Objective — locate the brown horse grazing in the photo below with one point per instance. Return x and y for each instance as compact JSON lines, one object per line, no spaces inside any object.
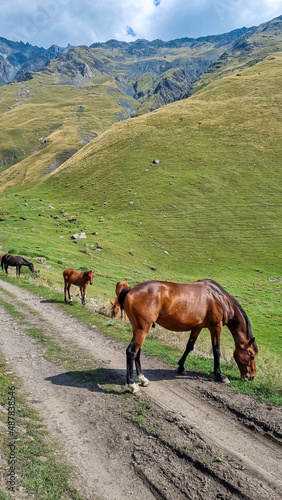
{"x":184,"y":307}
{"x":115,"y":305}
{"x":16,"y":261}
{"x":72,"y":277}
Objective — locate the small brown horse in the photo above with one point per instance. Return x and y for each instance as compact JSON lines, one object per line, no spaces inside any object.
{"x":72,"y":277}
{"x":187,"y":307}
{"x":115,"y":305}
{"x":16,"y":261}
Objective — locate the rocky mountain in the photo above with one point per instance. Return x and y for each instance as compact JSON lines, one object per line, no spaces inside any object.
{"x":17,"y":58}
{"x":249,"y":49}
{"x":154,"y":73}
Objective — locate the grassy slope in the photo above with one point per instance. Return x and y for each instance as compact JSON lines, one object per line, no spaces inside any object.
{"x":215,"y":193}
{"x":213,"y":202}
{"x":65,"y":117}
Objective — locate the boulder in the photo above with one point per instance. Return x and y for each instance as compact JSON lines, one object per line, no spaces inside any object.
{"x":78,"y":236}
{"x":40,"y":260}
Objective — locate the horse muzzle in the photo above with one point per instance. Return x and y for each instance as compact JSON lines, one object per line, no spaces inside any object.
{"x":248,"y":377}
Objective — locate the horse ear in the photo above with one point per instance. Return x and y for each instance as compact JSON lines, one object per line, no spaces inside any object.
{"x":252,"y":341}
{"x":111,"y":302}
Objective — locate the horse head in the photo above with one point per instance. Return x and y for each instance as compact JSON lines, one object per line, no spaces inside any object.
{"x":90,"y":275}
{"x":245,"y":357}
{"x":31,"y":267}
{"x":114,"y":309}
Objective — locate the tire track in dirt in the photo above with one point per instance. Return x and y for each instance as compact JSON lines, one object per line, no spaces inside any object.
{"x":79,"y":413}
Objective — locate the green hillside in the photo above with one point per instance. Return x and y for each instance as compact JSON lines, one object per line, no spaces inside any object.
{"x":52,"y":113}
{"x":212,"y":202}
{"x":44,"y":122}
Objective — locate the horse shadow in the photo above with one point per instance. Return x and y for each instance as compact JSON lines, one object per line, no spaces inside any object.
{"x":56,"y":301}
{"x":51,"y":301}
{"x":98,"y":379}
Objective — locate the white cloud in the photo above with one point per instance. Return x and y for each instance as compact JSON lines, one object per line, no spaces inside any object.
{"x":43,"y":22}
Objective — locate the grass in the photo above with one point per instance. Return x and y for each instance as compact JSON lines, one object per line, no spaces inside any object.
{"x":40,"y":463}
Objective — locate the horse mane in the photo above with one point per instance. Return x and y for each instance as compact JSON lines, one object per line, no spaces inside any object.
{"x":244,"y":314}
{"x":26,"y":261}
{"x":122,"y":296}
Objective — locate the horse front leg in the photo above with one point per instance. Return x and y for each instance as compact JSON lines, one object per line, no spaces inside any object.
{"x":18,"y":270}
{"x":82,"y":293}
{"x":68,"y":289}
{"x":215,"y":338}
{"x":133,"y":355}
{"x":142,"y":379}
{"x":189,"y":347}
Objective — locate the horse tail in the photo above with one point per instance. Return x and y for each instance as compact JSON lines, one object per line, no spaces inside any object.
{"x":122,"y":295}
{"x":243,"y":312}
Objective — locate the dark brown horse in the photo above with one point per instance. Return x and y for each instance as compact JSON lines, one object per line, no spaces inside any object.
{"x":72,"y":277}
{"x":115,"y":305}
{"x":16,"y":261}
{"x":187,"y":307}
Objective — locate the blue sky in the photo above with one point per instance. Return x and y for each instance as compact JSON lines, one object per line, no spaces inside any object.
{"x":83,"y":22}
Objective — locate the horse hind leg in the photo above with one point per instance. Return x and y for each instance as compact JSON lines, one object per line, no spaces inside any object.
{"x":133,"y":355}
{"x":189,"y":347}
{"x":130,"y":357}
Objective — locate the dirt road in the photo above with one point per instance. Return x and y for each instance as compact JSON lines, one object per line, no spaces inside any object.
{"x":197,"y":440}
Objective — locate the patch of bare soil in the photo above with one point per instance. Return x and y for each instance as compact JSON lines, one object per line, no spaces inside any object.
{"x":185,"y":437}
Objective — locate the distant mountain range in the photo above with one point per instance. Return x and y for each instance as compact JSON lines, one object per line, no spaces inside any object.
{"x":153,"y":73}
{"x":140,"y":68}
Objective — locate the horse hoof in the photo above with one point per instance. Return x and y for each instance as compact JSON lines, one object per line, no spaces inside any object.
{"x":222,"y":378}
{"x":135,"y":389}
{"x":182,"y":372}
{"x":180,"y":369}
{"x":143,"y":380}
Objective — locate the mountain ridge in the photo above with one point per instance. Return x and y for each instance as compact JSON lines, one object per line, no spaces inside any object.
{"x":17,"y":58}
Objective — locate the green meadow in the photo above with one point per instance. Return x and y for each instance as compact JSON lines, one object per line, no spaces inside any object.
{"x":211,"y":207}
